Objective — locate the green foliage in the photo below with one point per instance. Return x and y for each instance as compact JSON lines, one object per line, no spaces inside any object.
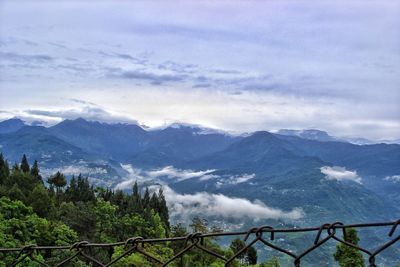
{"x":63,"y":213}
{"x":272,"y":262}
{"x":24,"y":164}
{"x":248,"y":256}
{"x":348,"y":256}
{"x":4,"y":169}
{"x":20,"y":226}
{"x":251,"y":256}
{"x":35,"y":170}
{"x":105,"y":217}
{"x":79,"y":189}
{"x":199,"y":225}
{"x":58,"y":180}
{"x":40,"y":201}
{"x":237,"y":245}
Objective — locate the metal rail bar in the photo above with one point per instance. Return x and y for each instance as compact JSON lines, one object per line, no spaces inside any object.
{"x":195,"y":240}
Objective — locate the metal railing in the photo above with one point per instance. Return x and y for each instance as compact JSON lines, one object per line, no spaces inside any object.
{"x":323,"y":233}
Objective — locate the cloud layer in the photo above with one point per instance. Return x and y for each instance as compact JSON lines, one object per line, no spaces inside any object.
{"x":170,"y":174}
{"x":340,"y":174}
{"x":393,"y":178}
{"x":186,"y":206}
{"x":221,"y":206}
{"x":180,"y":175}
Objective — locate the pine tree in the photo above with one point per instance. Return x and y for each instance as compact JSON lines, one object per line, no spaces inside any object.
{"x":71,"y":191}
{"x":4,"y":169}
{"x":251,"y":256}
{"x":35,"y":171}
{"x":146,"y":198}
{"x":154,"y":202}
{"x":163,"y":209}
{"x":24,"y":164}
{"x":15,"y":168}
{"x":348,"y":256}
{"x":120,"y":201}
{"x":58,"y":180}
{"x":236,"y":245}
{"x":135,"y":202}
{"x":84,"y":192}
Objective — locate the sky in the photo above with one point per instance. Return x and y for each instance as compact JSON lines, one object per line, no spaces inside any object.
{"x":239,"y":66}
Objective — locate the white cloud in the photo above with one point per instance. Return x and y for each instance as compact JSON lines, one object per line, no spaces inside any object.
{"x":157,"y":176}
{"x":134,"y":175}
{"x":393,"y":178}
{"x":170,"y":174}
{"x":75,"y":170}
{"x":340,"y":174}
{"x":240,"y":178}
{"x":125,"y":184}
{"x":219,"y":205}
{"x":179,"y":175}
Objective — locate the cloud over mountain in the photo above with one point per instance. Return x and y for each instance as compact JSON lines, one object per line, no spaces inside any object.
{"x":180,"y":175}
{"x":340,"y":174}
{"x":222,"y":206}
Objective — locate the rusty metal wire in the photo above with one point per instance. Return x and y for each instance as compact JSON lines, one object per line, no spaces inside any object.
{"x":193,"y":241}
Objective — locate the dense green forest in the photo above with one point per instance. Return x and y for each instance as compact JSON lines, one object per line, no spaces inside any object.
{"x":61,"y":212}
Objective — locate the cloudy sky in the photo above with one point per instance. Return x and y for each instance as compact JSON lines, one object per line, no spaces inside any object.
{"x":236,"y":65}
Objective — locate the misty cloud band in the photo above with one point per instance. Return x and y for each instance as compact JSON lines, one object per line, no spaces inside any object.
{"x":222,"y":206}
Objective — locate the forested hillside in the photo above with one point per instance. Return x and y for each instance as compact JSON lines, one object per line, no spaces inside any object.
{"x":55,"y":212}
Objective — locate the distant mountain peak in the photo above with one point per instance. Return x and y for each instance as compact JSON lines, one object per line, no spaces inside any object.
{"x":11,"y":125}
{"x":310,"y":134}
{"x":195,"y":128}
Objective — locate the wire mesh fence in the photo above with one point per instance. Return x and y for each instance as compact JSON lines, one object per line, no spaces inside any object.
{"x":264,"y":235}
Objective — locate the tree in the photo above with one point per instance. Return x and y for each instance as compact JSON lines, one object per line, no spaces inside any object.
{"x":72,"y":189}
{"x":348,"y":256}
{"x":162,"y":208}
{"x":79,"y":216}
{"x":35,"y":171}
{"x":199,"y":225}
{"x":16,"y":194}
{"x":106,"y":216}
{"x":251,"y":256}
{"x":237,"y":245}
{"x":4,"y":169}
{"x":146,"y":198}
{"x":24,"y":164}
{"x":84,"y":191}
{"x":272,"y":262}
{"x":134,"y":201}
{"x":40,"y":201}
{"x":58,"y":180}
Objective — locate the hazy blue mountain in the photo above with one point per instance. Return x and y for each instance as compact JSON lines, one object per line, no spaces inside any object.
{"x":174,"y":145}
{"x":310,"y":134}
{"x":39,"y":144}
{"x":360,"y":141}
{"x":53,"y":154}
{"x":259,"y":153}
{"x":286,"y":175}
{"x":322,"y":136}
{"x":118,"y":141}
{"x":11,"y":125}
{"x":377,"y":159}
{"x":130,"y":142}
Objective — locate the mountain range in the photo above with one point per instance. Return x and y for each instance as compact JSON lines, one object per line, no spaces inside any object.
{"x":327,"y":177}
